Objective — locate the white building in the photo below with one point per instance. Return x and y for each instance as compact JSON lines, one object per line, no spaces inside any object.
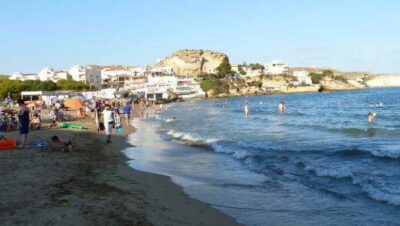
{"x":49,"y":74}
{"x":276,"y":68}
{"x":23,"y":77}
{"x":89,"y":76}
{"x":160,"y":71}
{"x":250,"y":72}
{"x":302,"y":77}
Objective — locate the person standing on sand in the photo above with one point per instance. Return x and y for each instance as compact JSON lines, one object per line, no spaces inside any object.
{"x":142,"y":108}
{"x":127,"y":111}
{"x":23,"y":118}
{"x":108,"y":121}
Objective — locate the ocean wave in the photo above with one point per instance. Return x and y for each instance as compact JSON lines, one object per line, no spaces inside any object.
{"x":386,"y":153}
{"x":369,"y":132}
{"x":379,"y":153}
{"x":323,"y":171}
{"x":192,"y":138}
{"x":169,"y":120}
{"x":380,"y":195}
{"x":239,"y":154}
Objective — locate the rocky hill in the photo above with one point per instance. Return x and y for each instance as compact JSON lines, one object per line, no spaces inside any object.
{"x":193,"y":62}
{"x":385,"y":80}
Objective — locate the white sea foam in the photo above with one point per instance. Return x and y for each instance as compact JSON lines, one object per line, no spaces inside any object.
{"x":380,"y":195}
{"x":169,"y":120}
{"x":323,"y":171}
{"x":237,"y":154}
{"x":241,"y":154}
{"x":191,"y":137}
{"x":394,"y":154}
{"x":219,"y":148}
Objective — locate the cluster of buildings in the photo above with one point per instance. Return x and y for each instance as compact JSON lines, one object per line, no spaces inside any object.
{"x":273,"y":68}
{"x":152,"y":82}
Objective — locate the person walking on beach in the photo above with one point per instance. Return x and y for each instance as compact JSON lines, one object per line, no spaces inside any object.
{"x":127,"y":110}
{"x":108,"y":114}
{"x":23,"y":118}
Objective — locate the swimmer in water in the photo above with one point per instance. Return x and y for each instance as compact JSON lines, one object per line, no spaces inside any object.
{"x":282,"y":107}
{"x":246,"y":109}
{"x":371,"y":117}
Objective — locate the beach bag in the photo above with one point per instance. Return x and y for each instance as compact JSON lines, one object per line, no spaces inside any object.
{"x":119,"y":130}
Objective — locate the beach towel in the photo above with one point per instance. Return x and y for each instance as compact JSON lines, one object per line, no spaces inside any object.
{"x":39,"y":144}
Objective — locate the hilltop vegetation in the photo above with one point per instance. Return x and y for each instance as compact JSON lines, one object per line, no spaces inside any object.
{"x":15,"y":87}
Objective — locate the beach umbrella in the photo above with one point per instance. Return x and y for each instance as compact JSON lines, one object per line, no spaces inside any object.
{"x":74,"y":103}
{"x":78,"y":98}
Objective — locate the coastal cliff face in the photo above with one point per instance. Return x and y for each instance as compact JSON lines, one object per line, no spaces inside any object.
{"x":383,"y":81}
{"x":337,"y":85}
{"x":193,"y":62}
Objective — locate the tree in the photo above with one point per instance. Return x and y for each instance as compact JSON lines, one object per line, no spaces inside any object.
{"x":218,"y":86}
{"x":316,"y":78}
{"x":328,"y":73}
{"x":70,"y":84}
{"x":241,"y":71}
{"x":224,"y":68}
{"x":256,"y":66}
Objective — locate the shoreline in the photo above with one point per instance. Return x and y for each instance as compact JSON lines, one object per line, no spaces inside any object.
{"x":289,"y":93}
{"x":91,"y":186}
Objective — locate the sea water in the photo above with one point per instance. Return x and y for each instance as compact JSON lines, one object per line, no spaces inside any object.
{"x":319,"y":163}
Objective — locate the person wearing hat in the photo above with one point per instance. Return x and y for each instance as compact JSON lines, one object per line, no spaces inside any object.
{"x":109,"y":121}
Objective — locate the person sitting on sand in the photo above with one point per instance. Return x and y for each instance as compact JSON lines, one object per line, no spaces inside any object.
{"x":35,"y":122}
{"x":53,"y":117}
{"x":371,"y":117}
{"x":66,"y":144}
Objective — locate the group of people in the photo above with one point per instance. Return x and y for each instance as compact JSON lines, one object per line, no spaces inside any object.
{"x":281,"y":107}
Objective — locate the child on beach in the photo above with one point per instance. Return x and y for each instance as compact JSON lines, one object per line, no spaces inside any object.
{"x":67,"y":145}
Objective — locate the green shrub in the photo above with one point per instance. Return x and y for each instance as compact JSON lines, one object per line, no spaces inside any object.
{"x":341,"y":78}
{"x":316,"y":78}
{"x":15,"y":87}
{"x":256,"y":84}
{"x":217,"y":86}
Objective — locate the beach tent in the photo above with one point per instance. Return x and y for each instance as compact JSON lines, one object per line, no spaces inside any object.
{"x":74,"y":103}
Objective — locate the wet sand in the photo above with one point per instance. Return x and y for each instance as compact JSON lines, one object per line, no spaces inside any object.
{"x":91,"y":186}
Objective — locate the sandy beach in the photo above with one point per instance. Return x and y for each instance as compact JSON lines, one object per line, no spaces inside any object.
{"x":91,"y":186}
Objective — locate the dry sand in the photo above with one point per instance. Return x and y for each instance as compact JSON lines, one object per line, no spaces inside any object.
{"x":91,"y":186}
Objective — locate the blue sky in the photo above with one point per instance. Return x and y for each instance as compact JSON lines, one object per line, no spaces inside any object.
{"x":343,"y":34}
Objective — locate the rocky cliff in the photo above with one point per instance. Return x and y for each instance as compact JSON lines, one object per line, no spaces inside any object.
{"x":383,"y":81}
{"x":193,"y":62}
